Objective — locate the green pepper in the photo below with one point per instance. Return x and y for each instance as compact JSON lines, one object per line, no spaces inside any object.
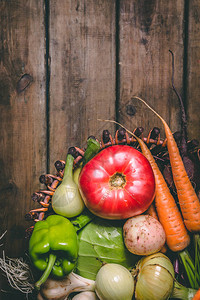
{"x":53,"y":247}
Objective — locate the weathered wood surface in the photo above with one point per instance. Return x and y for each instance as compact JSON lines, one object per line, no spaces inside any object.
{"x":148,"y":30}
{"x":22,"y":118}
{"x":100,"y":54}
{"x":193,"y":69}
{"x":82,"y":66}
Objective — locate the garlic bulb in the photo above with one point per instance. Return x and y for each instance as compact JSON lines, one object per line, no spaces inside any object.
{"x":85,"y":296}
{"x":60,"y":289}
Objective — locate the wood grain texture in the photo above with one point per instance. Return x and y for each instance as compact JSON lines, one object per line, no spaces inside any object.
{"x":148,"y":30}
{"x":23,"y":116}
{"x":193,"y":70}
{"x":82,"y":81}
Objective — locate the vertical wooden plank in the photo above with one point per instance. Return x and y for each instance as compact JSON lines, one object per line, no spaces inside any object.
{"x":23,"y":120}
{"x":82,"y":82}
{"x":148,"y":30}
{"x":193,"y":70}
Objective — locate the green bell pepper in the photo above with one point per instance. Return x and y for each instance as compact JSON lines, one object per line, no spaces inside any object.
{"x":53,"y":247}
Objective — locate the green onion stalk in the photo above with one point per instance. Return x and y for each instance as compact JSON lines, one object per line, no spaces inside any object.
{"x":197,"y":260}
{"x":192,"y":265}
{"x":181,"y":292}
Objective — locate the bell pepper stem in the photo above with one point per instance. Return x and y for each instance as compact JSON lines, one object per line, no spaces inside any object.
{"x":45,"y":275}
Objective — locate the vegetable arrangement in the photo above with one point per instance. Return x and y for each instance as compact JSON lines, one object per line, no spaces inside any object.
{"x":112,"y":214}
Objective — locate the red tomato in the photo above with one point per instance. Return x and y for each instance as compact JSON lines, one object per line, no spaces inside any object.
{"x":118,"y":183}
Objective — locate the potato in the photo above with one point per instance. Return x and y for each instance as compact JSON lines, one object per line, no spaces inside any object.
{"x":143,"y":235}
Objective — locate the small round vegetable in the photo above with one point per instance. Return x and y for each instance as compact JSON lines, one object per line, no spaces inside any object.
{"x":114,"y":282}
{"x":143,"y":235}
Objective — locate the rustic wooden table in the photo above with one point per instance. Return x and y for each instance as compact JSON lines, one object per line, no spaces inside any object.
{"x":66,"y":63}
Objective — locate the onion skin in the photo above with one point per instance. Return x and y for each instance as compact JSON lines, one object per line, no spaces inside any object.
{"x":154,"y":278}
{"x":114,"y":282}
{"x":143,"y":235}
{"x":66,"y":200}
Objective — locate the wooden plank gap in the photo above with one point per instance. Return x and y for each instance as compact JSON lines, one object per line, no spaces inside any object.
{"x":47,"y":11}
{"x":193,"y":71}
{"x":185,"y":54}
{"x":117,"y":45}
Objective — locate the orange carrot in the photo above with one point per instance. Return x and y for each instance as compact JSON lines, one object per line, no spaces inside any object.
{"x":152,"y":212}
{"x":188,"y":200}
{"x":177,"y":237}
{"x":168,"y":213}
{"x":197,"y":295}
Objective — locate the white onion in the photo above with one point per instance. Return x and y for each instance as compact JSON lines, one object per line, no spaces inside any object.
{"x":114,"y":282}
{"x":143,"y":235}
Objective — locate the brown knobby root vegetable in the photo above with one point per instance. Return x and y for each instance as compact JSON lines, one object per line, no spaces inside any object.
{"x":143,"y":235}
{"x":60,"y":289}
